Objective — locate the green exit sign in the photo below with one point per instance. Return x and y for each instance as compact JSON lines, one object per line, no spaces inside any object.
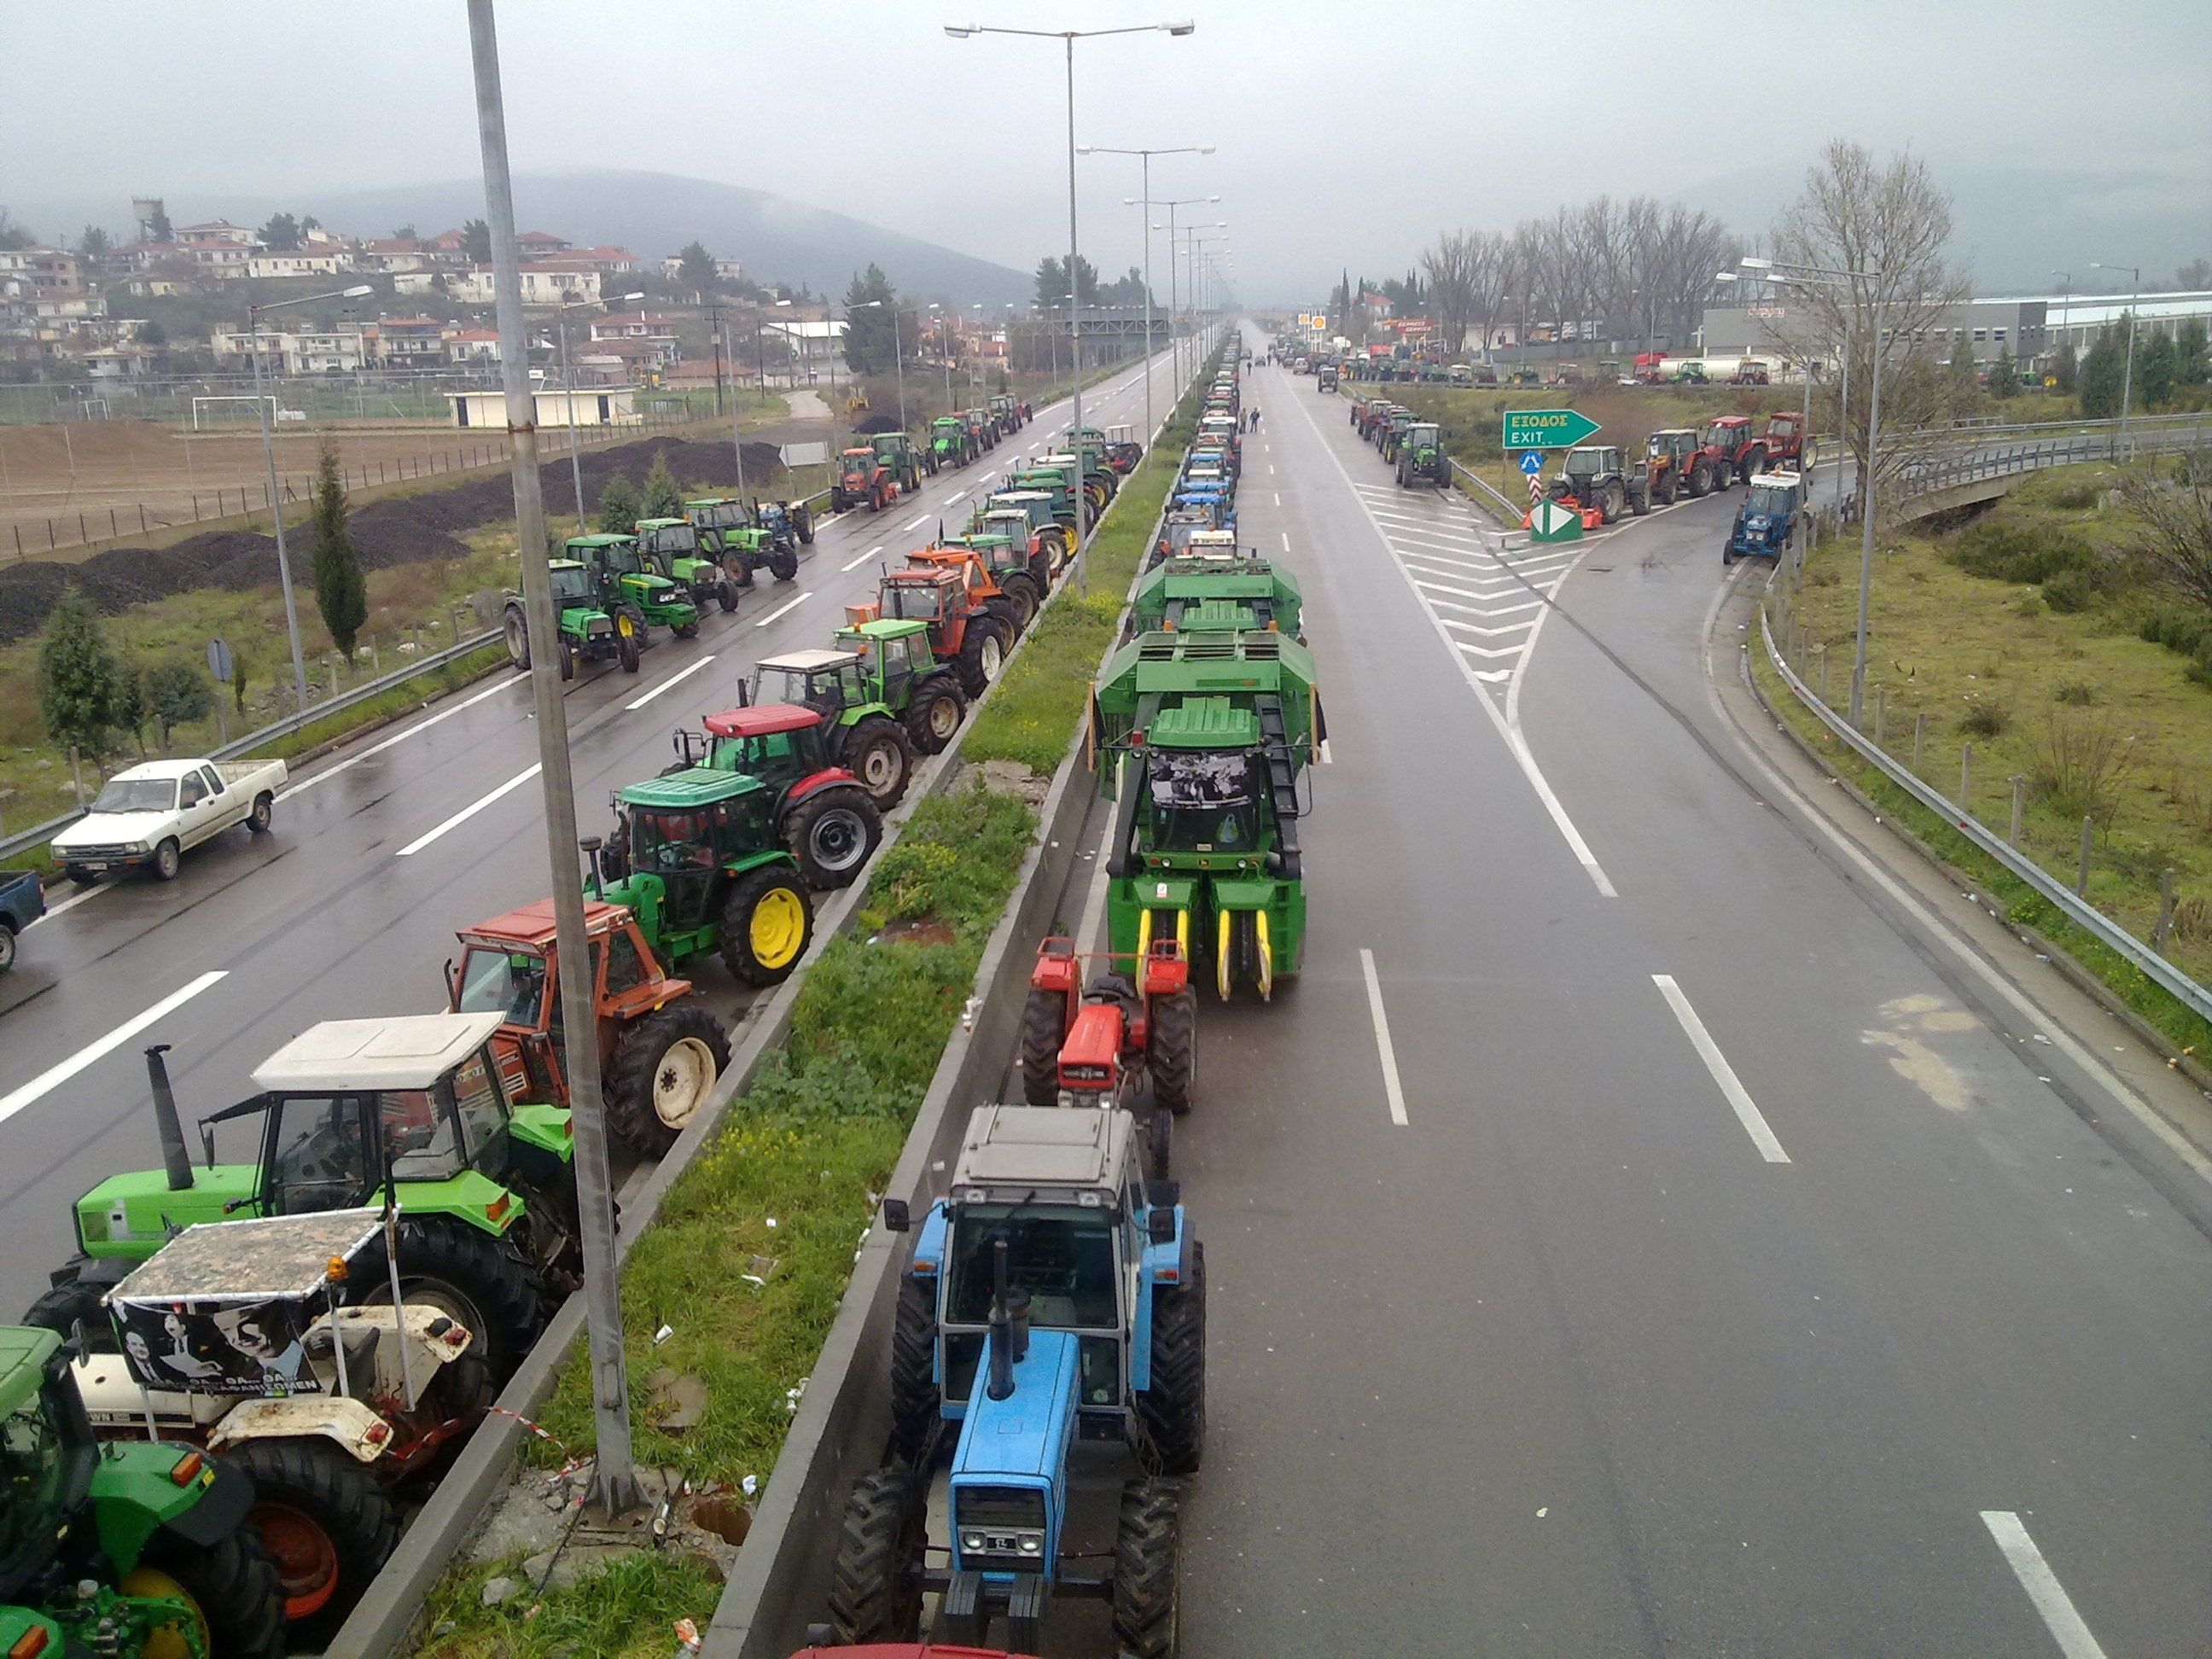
{"x":1546,"y":429}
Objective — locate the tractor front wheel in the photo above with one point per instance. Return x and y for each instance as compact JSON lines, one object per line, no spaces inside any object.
{"x":1173,"y":1410}
{"x":833,"y":835}
{"x":914,"y":1360}
{"x":1701,"y":480}
{"x":568,"y":657}
{"x":1146,"y":1545}
{"x":1174,"y":1057}
{"x":767,"y":925}
{"x":1610,"y":502}
{"x":875,"y":1582}
{"x":516,"y":627}
{"x":934,"y":714}
{"x":1044,"y":1028}
{"x":627,"y":648}
{"x":876,"y":753}
{"x":663,"y":1072}
{"x":783,"y":564}
{"x":726,"y":594}
{"x":324,"y":1521}
{"x":232,"y":1584}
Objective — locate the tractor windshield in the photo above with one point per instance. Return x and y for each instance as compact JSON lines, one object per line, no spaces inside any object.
{"x":1202,"y":802}
{"x":891,"y":445}
{"x":723,"y":515}
{"x":572,"y":585}
{"x":913,"y":601}
{"x":817,"y":690}
{"x":1770,"y":498}
{"x":680,"y":540}
{"x":1064,"y":1258}
{"x":620,"y":557}
{"x":1424,"y":436}
{"x":1583,"y":462}
{"x":664,"y":842}
{"x":30,"y":1473}
{"x":505,"y":981}
{"x":1717,"y":435}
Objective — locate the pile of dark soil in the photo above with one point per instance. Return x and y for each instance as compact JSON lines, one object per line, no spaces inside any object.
{"x":405,"y":531}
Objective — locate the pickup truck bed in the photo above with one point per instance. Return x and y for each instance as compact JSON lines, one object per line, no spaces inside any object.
{"x":148,"y":816}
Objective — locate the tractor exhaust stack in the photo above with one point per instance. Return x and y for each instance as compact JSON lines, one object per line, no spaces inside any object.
{"x":176,"y":1158}
{"x":1010,"y":1325}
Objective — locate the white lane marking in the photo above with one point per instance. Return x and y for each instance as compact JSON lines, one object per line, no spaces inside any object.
{"x":1286,"y":540}
{"x":954,"y":496}
{"x":72,"y":902}
{"x":2067,"y":1626}
{"x":415,"y":730}
{"x":1391,"y":1091}
{"x":914,"y":523}
{"x":1476,"y":680}
{"x":1754,"y":1124}
{"x":1279,"y":500}
{"x":1094,"y":902}
{"x":1271,"y":469}
{"x":788,"y":605}
{"x":466,"y":813}
{"x":55,"y":1075}
{"x":672,"y":679}
{"x":863,"y":559}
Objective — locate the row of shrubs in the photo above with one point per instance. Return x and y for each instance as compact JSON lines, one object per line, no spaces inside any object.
{"x":2075,"y":574}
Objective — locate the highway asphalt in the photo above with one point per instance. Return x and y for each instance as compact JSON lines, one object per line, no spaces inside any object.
{"x":1746,"y":1276}
{"x":378,"y":853}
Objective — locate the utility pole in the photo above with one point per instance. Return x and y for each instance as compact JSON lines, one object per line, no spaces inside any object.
{"x":614,"y":1476}
{"x":715,"y":334}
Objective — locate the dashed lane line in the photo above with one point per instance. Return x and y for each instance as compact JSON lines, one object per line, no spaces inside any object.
{"x":468,"y":812}
{"x":54,"y":1076}
{"x":673,"y":679}
{"x":788,"y":605}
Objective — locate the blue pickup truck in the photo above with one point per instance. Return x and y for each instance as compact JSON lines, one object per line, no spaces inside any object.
{"x":22,"y":902}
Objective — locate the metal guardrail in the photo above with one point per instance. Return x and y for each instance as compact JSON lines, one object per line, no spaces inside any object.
{"x":1925,"y":477}
{"x":367,"y":689}
{"x":2076,"y":909}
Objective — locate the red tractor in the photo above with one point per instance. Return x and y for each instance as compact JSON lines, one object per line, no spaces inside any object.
{"x":862,"y":477}
{"x":1786,"y":441}
{"x":1098,"y":1046}
{"x":1729,"y":444}
{"x":660,"y":1049}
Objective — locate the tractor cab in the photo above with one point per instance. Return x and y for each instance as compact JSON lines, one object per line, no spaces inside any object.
{"x":1673,"y":445}
{"x":1015,"y":525}
{"x":891,"y":652}
{"x":781,"y":744}
{"x":1776,"y":493}
{"x":827,"y":682}
{"x":661,"y":541}
{"x":921,"y":593}
{"x":573,"y":587}
{"x":1201,"y":766}
{"x":859,"y":464}
{"x":715,"y":515}
{"x":1424,"y":434}
{"x":688,"y":830}
{"x":1586,"y":461}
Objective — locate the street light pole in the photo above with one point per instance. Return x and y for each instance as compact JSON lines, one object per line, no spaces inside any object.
{"x":1146,"y":156}
{"x":276,"y":498}
{"x":2128,"y":375}
{"x":614,"y":1476}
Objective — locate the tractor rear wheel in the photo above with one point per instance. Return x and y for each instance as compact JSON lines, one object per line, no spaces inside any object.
{"x":1022,"y":593}
{"x":1146,"y":1545}
{"x":933,"y":711}
{"x":663,"y":1070}
{"x":1174,"y":1057}
{"x":1639,"y":502}
{"x":324,"y":1522}
{"x":231,"y":1584}
{"x":875,"y":1582}
{"x":914,"y":1360}
{"x":833,"y":834}
{"x":767,"y":924}
{"x":982,"y":653}
{"x":1010,"y":618}
{"x":465,"y":1274}
{"x":1173,"y":1410}
{"x":63,"y":1307}
{"x":1044,"y":1028}
{"x":876,"y":753}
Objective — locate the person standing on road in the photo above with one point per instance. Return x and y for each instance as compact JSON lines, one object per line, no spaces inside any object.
{"x":1255,"y":418}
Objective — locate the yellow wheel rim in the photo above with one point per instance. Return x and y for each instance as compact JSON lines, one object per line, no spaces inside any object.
{"x":168,"y":1642}
{"x":778,"y":927}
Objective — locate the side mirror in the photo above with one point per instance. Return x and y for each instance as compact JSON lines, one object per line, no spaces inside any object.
{"x":897,"y":1218}
{"x":1160,"y":1222}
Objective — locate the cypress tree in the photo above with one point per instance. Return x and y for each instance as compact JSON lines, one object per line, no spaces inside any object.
{"x":81,"y":695}
{"x":341,"y":591}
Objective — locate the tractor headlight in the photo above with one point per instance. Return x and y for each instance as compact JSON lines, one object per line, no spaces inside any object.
{"x":1030,"y":1543}
{"x":973,"y":1542}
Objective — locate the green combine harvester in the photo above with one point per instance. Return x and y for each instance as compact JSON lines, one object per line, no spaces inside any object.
{"x":1212,"y":585}
{"x":1200,"y":739}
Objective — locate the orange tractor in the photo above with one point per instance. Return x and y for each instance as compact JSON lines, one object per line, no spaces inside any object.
{"x":660,"y":1050}
{"x":972,"y":625}
{"x":863,"y":479}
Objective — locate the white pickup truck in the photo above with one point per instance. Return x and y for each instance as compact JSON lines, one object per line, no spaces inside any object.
{"x":146,"y":816}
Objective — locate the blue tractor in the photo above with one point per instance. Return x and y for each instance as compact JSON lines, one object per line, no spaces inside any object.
{"x":1055,"y":1297}
{"x":1767,"y":519}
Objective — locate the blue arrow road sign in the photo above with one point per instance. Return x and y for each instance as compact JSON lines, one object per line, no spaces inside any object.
{"x":1532,"y":461}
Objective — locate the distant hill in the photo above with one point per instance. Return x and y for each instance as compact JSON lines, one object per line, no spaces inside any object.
{"x":651,"y":214}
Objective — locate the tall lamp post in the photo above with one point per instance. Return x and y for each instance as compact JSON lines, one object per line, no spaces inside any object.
{"x":269,"y":455}
{"x":575,"y":465}
{"x":2065,"y":309}
{"x":2128,"y":376}
{"x":1798,"y":275}
{"x":1146,"y":173}
{"x":1068,"y":37}
{"x":1174,"y":334}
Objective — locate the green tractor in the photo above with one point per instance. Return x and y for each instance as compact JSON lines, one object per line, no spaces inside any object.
{"x":1026,"y":514}
{"x":127,"y":1549}
{"x":950,"y":443}
{"x":653,"y":600}
{"x":1421,"y":456}
{"x":588,"y":630}
{"x":728,"y":532}
{"x":882,"y":697}
{"x":899,"y":457}
{"x":671,"y":548}
{"x":1201,"y":739}
{"x":486,"y":1187}
{"x":1210,"y":585}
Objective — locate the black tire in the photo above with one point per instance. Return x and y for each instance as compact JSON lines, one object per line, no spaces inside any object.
{"x":80,"y":876}
{"x":1610,"y":502}
{"x":168,"y":859}
{"x":1173,"y":1410}
{"x":325,"y":1523}
{"x":1640,"y":503}
{"x":1009,"y":616}
{"x":803,"y":522}
{"x":516,"y":626}
{"x":738,"y":573}
{"x":982,"y":654}
{"x":726,"y":595}
{"x":767,"y":956}
{"x":234,"y":1584}
{"x":1159,"y":1144}
{"x":833,"y":834}
{"x":934,"y":712}
{"x":568,"y":657}
{"x":783,"y":562}
{"x":1146,"y":1545}
{"x":1024,"y":595}
{"x":914,"y":1360}
{"x":664,"y":1072}
{"x":685,"y":630}
{"x":877,"y":752}
{"x":257,"y":821}
{"x":1174,"y":1058}
{"x":1668,"y":490}
{"x":468,"y":1274}
{"x":1728,"y":556}
{"x":628,"y":649}
{"x":62,"y":1308}
{"x":1701,"y":479}
{"x":7,"y":947}
{"x":1044,"y":1028}
{"x":875,"y":1582}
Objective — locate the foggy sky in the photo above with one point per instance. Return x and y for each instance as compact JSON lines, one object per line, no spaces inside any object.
{"x":1346,"y":133}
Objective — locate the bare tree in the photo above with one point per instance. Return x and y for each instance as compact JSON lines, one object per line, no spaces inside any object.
{"x":2174,"y":549}
{"x":1886,"y":230}
{"x":1453,"y":284}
